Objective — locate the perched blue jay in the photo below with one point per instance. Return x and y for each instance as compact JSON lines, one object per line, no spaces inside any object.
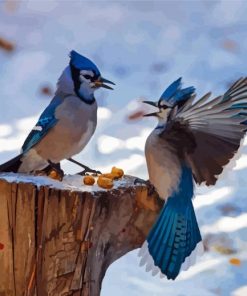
{"x":67,"y":124}
{"x":193,"y":141}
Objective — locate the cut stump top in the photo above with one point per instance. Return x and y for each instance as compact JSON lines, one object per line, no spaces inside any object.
{"x":58,"y":238}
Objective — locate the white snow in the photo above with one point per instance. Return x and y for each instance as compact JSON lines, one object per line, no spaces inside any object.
{"x":69,"y":182}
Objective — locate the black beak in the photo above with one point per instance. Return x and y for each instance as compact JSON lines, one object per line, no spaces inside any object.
{"x":101,"y":82}
{"x":151,"y":114}
{"x":155,"y":104}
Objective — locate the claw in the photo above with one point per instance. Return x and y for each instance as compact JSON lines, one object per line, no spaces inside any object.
{"x":88,"y":170}
{"x":140,"y":181}
{"x":150,"y":186}
{"x":59,"y":173}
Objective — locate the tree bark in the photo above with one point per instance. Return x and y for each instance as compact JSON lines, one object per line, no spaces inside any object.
{"x":61,"y":242}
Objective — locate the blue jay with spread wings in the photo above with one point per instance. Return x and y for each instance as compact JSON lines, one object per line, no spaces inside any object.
{"x":67,"y":124}
{"x":192,"y":143}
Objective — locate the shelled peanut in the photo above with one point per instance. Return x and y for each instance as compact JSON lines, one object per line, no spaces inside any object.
{"x":118,"y":173}
{"x":88,"y":180}
{"x":55,"y":175}
{"x":105,"y":180}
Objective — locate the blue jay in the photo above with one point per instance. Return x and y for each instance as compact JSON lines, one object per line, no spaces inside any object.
{"x":67,"y":124}
{"x":192,"y":142}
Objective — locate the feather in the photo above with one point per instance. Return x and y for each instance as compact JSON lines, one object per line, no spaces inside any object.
{"x":12,"y":165}
{"x":172,"y":89}
{"x":155,"y":271}
{"x":172,"y":238}
{"x":144,"y":259}
{"x":143,"y":249}
{"x":201,"y":101}
{"x":187,"y":105}
{"x":46,"y":121}
{"x":223,"y":119}
{"x":175,"y":95}
{"x":81,"y":62}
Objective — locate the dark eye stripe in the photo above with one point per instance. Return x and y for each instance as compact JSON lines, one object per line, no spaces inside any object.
{"x":87,"y":76}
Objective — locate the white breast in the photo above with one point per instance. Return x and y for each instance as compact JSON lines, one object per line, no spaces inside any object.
{"x":79,"y":120}
{"x":163,"y":166}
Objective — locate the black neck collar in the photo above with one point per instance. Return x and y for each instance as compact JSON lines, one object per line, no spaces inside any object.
{"x":87,"y":101}
{"x":75,"y":73}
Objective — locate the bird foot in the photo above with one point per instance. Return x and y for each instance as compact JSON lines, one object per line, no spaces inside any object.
{"x":150,"y":186}
{"x":88,"y":171}
{"x":40,"y":172}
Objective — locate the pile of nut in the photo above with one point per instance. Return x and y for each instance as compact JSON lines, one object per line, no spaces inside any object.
{"x":105,"y":180}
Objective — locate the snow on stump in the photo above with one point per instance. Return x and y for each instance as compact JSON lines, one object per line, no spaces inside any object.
{"x":59,"y":238}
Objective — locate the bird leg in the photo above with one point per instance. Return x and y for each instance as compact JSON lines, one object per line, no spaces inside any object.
{"x":86,"y":168}
{"x":150,"y":186}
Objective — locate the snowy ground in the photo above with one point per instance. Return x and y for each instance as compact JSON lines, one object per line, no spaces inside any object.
{"x":141,"y":46}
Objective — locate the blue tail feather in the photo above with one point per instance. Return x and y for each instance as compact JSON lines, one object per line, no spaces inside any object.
{"x":176,"y":233}
{"x":163,"y":229}
{"x":168,"y":246}
{"x":179,"y":236}
{"x":166,"y":242}
{"x":157,"y":234}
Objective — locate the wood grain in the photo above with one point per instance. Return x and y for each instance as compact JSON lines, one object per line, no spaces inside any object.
{"x":57,"y":242}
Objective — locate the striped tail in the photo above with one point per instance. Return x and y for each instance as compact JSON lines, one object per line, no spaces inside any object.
{"x":175,"y":239}
{"x":12,"y":165}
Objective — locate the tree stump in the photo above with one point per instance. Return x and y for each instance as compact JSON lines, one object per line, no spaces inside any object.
{"x":59,"y":240}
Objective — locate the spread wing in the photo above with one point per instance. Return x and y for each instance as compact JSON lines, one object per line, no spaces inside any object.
{"x":210,"y":131}
{"x":46,"y":121}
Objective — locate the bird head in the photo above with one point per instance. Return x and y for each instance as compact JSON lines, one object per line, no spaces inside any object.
{"x":164,"y":109}
{"x":173,"y":97}
{"x":82,"y":77}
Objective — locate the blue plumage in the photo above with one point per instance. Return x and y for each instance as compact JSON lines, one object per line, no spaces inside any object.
{"x":200,"y":137}
{"x":81,"y":62}
{"x":75,"y":122}
{"x":46,"y":121}
{"x":175,"y":233}
{"x":171,"y":89}
{"x":174,"y":94}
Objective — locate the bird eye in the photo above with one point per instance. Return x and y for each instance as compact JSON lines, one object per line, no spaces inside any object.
{"x":87,"y":76}
{"x":162,"y":104}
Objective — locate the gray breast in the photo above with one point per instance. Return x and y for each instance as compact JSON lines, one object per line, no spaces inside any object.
{"x":163,"y":165}
{"x":76,"y":124}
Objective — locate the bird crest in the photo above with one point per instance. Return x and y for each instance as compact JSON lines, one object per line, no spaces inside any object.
{"x":82,"y":63}
{"x":174,"y":94}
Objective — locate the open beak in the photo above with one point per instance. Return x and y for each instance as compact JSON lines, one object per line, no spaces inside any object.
{"x":154,"y":104}
{"x":101,"y":82}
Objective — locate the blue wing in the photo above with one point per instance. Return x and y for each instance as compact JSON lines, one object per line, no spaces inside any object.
{"x":46,"y":121}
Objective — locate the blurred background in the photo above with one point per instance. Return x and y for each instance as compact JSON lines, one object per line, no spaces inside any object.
{"x":142,"y":46}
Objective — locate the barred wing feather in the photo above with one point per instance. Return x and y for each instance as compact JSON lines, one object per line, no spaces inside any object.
{"x":217,"y":126}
